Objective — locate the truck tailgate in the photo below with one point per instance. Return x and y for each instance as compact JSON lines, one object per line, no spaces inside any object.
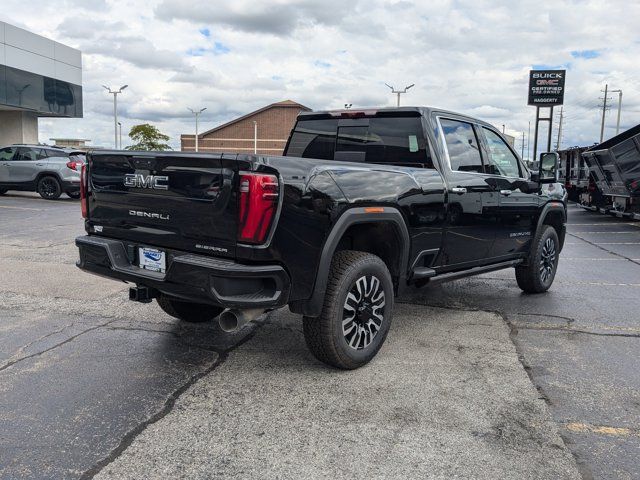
{"x":173,"y":200}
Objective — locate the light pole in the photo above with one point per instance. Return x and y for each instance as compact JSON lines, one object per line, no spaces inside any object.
{"x":619,"y":92}
{"x":115,"y":111}
{"x":120,"y":134}
{"x":255,"y":137}
{"x":398,"y":92}
{"x":347,"y":106}
{"x":197,"y":114}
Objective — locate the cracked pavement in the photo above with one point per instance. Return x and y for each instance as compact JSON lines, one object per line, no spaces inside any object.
{"x":94,"y":385}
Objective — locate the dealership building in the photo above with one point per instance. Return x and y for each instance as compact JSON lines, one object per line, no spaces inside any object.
{"x":38,"y":78}
{"x":267,"y":127}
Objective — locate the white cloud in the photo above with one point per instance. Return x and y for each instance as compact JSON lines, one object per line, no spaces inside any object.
{"x":471,"y":56}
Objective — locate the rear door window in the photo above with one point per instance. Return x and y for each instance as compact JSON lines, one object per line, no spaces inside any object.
{"x":27,"y":154}
{"x":462,"y":146}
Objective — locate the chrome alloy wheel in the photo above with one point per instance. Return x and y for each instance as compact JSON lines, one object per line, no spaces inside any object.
{"x":547,"y":260}
{"x":363,"y":312}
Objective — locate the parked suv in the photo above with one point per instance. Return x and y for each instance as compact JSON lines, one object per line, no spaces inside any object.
{"x":362,"y":205}
{"x":50,"y":171}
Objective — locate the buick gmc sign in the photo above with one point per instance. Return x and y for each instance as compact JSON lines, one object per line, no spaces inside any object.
{"x":546,"y":87}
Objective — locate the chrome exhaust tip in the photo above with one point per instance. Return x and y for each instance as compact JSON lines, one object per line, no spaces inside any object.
{"x":232,"y":320}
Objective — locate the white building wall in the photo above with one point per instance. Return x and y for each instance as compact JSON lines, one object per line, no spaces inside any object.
{"x":36,"y":54}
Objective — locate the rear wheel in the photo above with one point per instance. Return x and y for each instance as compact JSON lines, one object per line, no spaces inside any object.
{"x":356,"y":314}
{"x":540,"y":271}
{"x":187,"y":311}
{"x":49,"y":188}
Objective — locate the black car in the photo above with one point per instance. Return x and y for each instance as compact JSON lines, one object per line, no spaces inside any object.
{"x":361,"y":205}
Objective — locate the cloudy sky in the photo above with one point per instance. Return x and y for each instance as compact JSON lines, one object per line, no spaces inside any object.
{"x":235,"y":56}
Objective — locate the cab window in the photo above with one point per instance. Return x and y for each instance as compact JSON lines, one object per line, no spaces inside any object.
{"x":501,"y":160}
{"x":462,"y":146}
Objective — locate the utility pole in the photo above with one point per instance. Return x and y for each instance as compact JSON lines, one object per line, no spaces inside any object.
{"x":197,"y":114}
{"x":115,"y":111}
{"x":559,"y":130}
{"x":529,"y":142}
{"x":120,"y":134}
{"x":522,"y":154}
{"x":604,"y":110}
{"x":398,"y":92}
{"x":619,"y":92}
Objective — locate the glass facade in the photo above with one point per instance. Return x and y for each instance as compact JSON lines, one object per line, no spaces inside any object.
{"x":44,"y":95}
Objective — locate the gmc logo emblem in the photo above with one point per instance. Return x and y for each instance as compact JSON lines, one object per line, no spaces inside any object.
{"x":140,"y":180}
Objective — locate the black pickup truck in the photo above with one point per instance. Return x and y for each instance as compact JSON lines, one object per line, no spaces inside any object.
{"x":362,"y":205}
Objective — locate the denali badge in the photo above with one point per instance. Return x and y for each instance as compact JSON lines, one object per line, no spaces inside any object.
{"x":138,"y":213}
{"x":140,"y":180}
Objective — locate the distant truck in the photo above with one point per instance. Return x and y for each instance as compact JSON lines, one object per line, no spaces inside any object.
{"x":614,"y":168}
{"x":362,"y":205}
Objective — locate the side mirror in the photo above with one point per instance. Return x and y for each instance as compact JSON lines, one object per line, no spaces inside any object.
{"x":548,"y":168}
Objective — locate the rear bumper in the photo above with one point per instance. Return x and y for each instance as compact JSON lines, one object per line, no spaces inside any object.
{"x":70,"y":184}
{"x":196,"y":278}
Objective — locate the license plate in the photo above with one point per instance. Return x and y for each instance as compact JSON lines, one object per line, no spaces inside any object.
{"x":152,"y":259}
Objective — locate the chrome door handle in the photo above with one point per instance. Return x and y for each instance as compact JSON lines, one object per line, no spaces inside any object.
{"x":459,"y":190}
{"x":39,"y":164}
{"x":506,"y":193}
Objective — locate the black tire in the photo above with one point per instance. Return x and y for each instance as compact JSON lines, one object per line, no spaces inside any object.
{"x":49,"y":188}
{"x":325,"y":335}
{"x":3,"y":191}
{"x":74,"y":195}
{"x":187,"y":311}
{"x":538,"y":274}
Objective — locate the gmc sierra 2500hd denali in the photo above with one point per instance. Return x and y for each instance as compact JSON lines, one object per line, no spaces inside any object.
{"x":361,"y":205}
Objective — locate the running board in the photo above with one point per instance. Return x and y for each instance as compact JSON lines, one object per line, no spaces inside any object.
{"x":445,"y":277}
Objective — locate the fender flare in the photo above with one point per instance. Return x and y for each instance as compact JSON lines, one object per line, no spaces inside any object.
{"x":554,"y":206}
{"x":353,"y":216}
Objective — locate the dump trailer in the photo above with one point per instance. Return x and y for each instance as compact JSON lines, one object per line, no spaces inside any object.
{"x":574,"y":171}
{"x":614,"y":168}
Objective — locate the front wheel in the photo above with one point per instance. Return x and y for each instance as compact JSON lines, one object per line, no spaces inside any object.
{"x":356,"y":314}
{"x":49,"y":188}
{"x":539,"y":272}
{"x":187,"y":311}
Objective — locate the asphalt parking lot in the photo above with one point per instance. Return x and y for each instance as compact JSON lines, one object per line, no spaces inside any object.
{"x":476,"y":380}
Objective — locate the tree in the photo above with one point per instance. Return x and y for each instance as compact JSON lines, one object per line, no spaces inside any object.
{"x":147,"y":137}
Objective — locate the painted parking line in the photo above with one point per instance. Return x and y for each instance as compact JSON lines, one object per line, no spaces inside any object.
{"x":22,"y":208}
{"x":578,"y":427}
{"x":616,"y":243}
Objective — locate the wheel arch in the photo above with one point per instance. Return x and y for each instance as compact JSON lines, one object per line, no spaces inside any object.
{"x":354,"y":230}
{"x":554,"y":214}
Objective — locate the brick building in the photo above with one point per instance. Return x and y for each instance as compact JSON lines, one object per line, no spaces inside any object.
{"x":274,"y":123}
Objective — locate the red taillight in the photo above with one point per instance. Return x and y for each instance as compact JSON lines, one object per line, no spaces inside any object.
{"x":258,"y":205}
{"x":72,"y":165}
{"x":84,"y":191}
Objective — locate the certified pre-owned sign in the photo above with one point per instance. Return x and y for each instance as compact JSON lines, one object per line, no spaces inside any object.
{"x":546,"y":87}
